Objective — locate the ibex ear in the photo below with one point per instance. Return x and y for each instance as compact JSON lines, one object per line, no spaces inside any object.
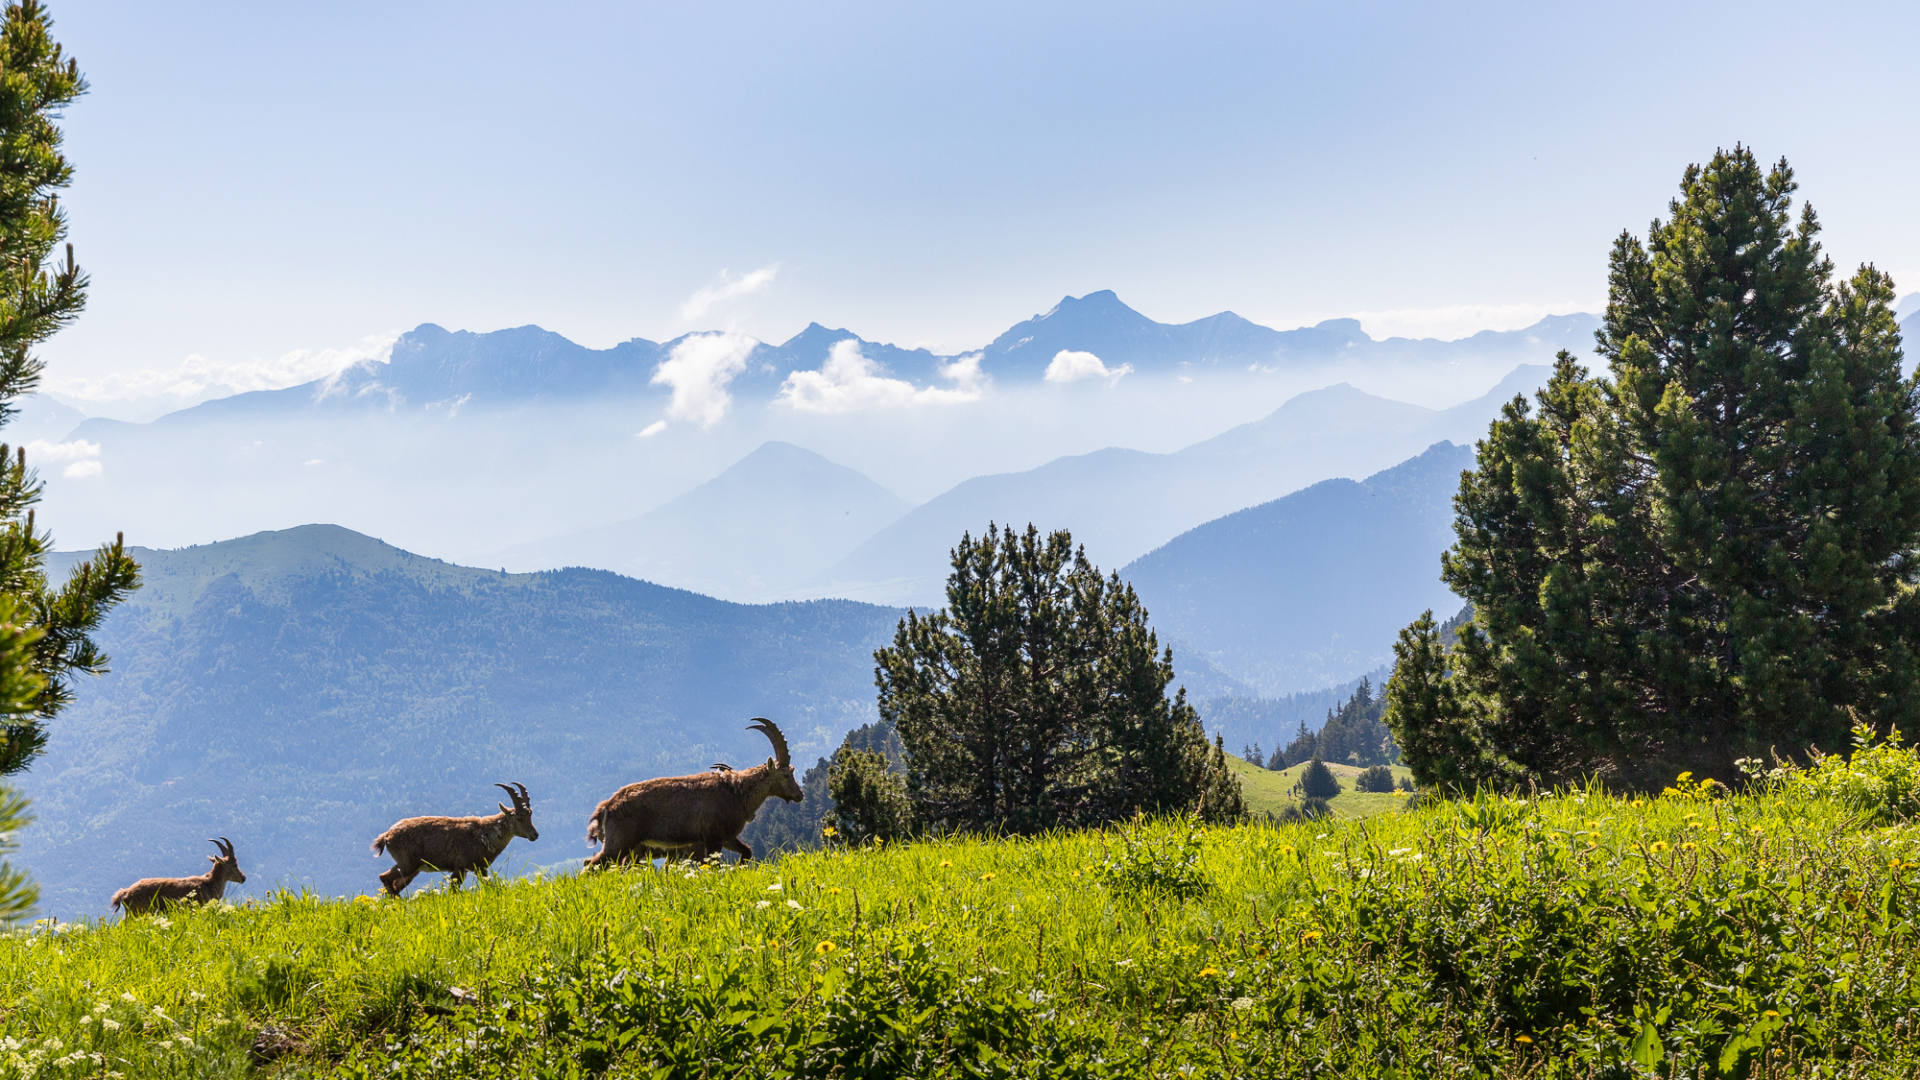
{"x":214,"y":859}
{"x":503,"y":808}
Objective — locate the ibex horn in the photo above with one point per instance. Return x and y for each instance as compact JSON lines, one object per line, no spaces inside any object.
{"x":772,"y":731}
{"x":524,"y":798}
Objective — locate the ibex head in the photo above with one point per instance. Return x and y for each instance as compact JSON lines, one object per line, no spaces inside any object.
{"x":225,"y":866}
{"x":520,"y":814}
{"x":784,"y":785}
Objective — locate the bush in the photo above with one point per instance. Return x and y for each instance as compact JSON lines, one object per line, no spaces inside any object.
{"x":1152,"y":867}
{"x":1880,"y":781}
{"x":1377,"y":778}
{"x":1318,"y":782}
{"x":869,"y":799}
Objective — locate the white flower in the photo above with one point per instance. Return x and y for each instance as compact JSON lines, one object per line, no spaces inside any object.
{"x":775,"y":887}
{"x":1125,"y":962}
{"x":763,"y":903}
{"x":109,"y":1024}
{"x":1242,"y":1004}
{"x":795,"y":905}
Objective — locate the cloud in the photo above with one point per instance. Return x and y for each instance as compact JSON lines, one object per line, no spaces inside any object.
{"x":728,"y":288}
{"x":1072,"y":365}
{"x":198,"y":378}
{"x":699,"y":369}
{"x":81,"y":457}
{"x":651,"y":430}
{"x":849,"y":382}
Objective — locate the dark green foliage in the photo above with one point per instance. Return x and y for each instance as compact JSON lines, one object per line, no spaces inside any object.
{"x":1708,"y":553}
{"x":869,"y":798}
{"x":1242,"y":717}
{"x":45,"y":630}
{"x":1318,"y":782}
{"x":1374,"y":778}
{"x":1353,"y":733}
{"x":1037,"y":699}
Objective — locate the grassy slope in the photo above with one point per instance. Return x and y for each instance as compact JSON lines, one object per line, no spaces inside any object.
{"x":1270,"y":791}
{"x":1560,"y":937}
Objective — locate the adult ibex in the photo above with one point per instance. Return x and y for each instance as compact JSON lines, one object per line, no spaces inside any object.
{"x":149,"y":893}
{"x":698,"y":814}
{"x":454,"y":845}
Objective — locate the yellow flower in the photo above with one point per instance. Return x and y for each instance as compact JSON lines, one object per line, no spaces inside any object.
{"x":1310,"y":936}
{"x":1658,"y":846}
{"x":1770,"y":1014}
{"x":825,"y":947}
{"x":829,"y":832}
{"x":1207,"y":972}
{"x":1689,"y":846}
{"x":835,"y":891}
{"x":946,"y":862}
{"x":988,"y":876}
{"x":1523,"y":1040}
{"x":1286,"y":849}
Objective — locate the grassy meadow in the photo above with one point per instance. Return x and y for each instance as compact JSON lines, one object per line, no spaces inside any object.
{"x":1270,"y":791}
{"x":1698,"y":933}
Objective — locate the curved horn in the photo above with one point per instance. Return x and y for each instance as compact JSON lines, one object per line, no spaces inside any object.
{"x":525,"y":799}
{"x":224,"y":845}
{"x":512,"y":795}
{"x":772,"y":731}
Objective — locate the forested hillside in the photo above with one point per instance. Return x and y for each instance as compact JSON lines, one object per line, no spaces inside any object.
{"x":299,"y":691}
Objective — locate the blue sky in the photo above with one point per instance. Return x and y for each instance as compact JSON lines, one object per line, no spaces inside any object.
{"x":260,"y":183}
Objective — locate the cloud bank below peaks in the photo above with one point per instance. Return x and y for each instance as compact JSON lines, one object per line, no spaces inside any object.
{"x":850,"y":382}
{"x":1072,"y":365}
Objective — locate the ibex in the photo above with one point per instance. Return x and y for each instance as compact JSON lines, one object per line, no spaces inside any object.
{"x":454,"y":845}
{"x":147,"y":894}
{"x":699,"y":814}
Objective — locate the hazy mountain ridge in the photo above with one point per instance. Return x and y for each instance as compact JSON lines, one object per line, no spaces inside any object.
{"x":1309,"y":590}
{"x":1123,"y":503}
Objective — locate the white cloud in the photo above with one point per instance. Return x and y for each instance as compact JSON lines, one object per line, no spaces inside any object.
{"x":198,"y":378}
{"x":849,"y":382}
{"x":651,"y":430}
{"x":81,"y":457}
{"x":1461,"y":320}
{"x":699,"y":369}
{"x":728,"y":288}
{"x":1072,"y":365}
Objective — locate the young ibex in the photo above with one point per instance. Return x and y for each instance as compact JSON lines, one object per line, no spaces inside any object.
{"x":698,"y":814}
{"x":148,"y":894}
{"x":454,"y":845}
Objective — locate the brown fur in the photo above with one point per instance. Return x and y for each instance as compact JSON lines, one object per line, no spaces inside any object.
{"x":149,"y":894}
{"x":453,"y":845}
{"x":698,"y":814}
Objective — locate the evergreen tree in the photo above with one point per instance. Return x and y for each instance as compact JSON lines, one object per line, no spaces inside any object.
{"x":869,"y":798}
{"x":1318,"y":781}
{"x":1037,"y":698}
{"x":1707,"y":555}
{"x":44,"y":630}
{"x":1374,"y":778}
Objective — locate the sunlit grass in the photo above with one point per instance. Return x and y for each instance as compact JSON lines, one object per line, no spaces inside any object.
{"x":1564,"y":936}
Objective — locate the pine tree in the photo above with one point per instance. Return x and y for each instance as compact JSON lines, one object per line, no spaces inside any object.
{"x":1318,"y":781}
{"x":45,"y":631}
{"x":1710,"y":553}
{"x":1038,"y":698}
{"x":869,"y":799}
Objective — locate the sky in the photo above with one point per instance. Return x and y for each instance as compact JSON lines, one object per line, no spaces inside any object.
{"x":267,"y":191}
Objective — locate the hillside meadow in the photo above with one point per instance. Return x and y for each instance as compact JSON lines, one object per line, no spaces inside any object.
{"x":1773,"y":934}
{"x":1270,"y":791}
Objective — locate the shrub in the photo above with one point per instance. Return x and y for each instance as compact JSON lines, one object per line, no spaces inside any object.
{"x":1318,"y":782}
{"x":1376,"y":778}
{"x":1150,"y":866}
{"x":1881,"y":780}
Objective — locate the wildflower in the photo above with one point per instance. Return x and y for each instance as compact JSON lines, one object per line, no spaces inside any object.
{"x":1689,"y":846}
{"x":825,"y":947}
{"x":988,"y":876}
{"x":1523,"y":1040}
{"x":1771,"y":1014}
{"x":1657,"y":846}
{"x":1286,"y":849}
{"x":775,"y":887}
{"x":1124,"y":962}
{"x":946,"y":863}
{"x":795,"y":905}
{"x":1310,"y":937}
{"x":1208,"y":972}
{"x":762,"y":904}
{"x":829,"y":832}
{"x":835,"y":891}
{"x":1242,"y":1004}
{"x":109,"y":1024}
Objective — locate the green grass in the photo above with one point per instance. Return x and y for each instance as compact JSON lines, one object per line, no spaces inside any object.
{"x":1271,"y":791}
{"x":1575,"y":936}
